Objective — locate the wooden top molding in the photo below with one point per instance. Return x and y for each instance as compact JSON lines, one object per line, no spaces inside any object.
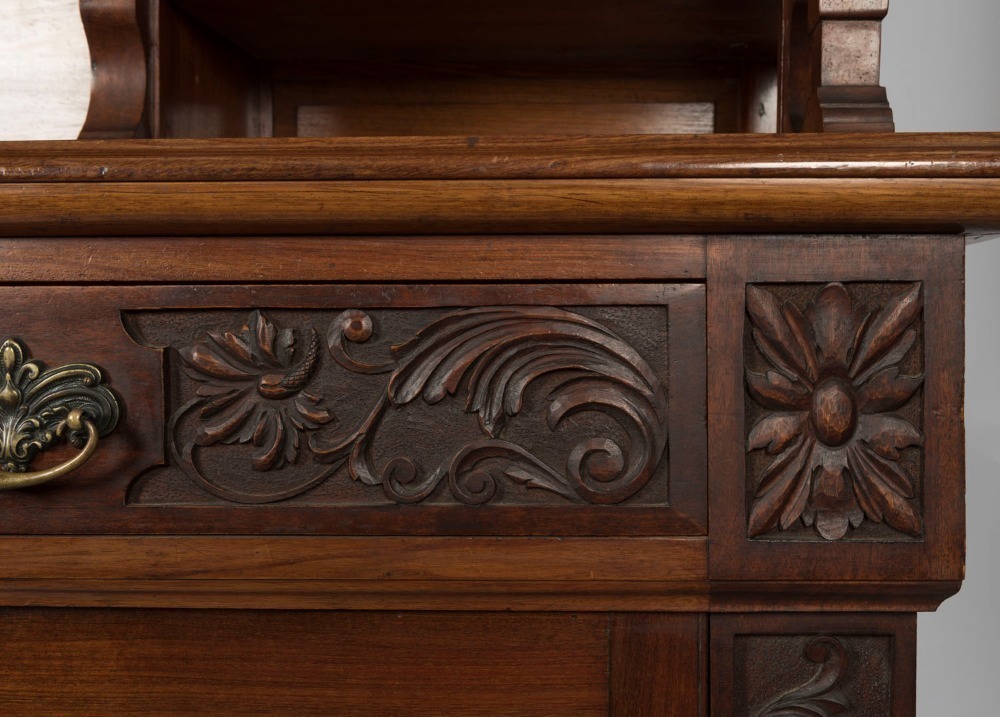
{"x":856,"y":183}
{"x":968,"y":155}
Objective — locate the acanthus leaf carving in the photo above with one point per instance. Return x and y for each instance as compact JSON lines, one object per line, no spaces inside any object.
{"x":821,"y":695}
{"x":491,"y":355}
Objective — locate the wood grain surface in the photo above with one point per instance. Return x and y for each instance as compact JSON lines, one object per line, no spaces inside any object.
{"x":857,"y":156}
{"x":501,"y":206}
{"x":176,"y":662}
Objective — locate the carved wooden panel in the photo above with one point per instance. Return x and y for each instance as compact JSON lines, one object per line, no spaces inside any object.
{"x":819,"y":676}
{"x":813,"y":665}
{"x":539,"y":381}
{"x":835,"y":396}
{"x":834,"y":414}
{"x":403,"y":409}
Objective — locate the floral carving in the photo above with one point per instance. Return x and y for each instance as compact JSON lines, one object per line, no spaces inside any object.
{"x":820,"y":696}
{"x":251,"y":390}
{"x":832,"y":383}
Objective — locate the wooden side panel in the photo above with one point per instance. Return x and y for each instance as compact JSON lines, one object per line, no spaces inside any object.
{"x":860,"y":664}
{"x":202,"y":86}
{"x":170,"y":662}
{"x":658,"y":665}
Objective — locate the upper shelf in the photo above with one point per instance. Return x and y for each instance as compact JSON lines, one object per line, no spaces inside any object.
{"x":244,"y":68}
{"x":552,"y":31}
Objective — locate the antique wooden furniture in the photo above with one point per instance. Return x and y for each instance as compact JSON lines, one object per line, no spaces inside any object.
{"x":378,"y":423}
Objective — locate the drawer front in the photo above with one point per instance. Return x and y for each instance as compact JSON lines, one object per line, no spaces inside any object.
{"x":535,"y":409}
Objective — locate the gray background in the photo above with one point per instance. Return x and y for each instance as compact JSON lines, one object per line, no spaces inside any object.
{"x":941,"y":66}
{"x":941,"y":62}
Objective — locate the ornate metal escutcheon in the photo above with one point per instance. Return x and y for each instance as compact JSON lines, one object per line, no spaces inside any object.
{"x":40,"y":407}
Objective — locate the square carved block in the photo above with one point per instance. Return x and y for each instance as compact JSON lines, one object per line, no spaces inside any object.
{"x":835,"y":387}
{"x":813,"y":664}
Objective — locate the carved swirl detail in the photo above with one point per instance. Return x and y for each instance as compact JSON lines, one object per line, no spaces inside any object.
{"x":252,"y":391}
{"x":820,"y":696}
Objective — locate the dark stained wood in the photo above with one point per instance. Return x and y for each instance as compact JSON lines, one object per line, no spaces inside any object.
{"x":935,"y":262}
{"x":382,"y":594}
{"x":304,"y":663}
{"x":118,"y":62}
{"x":160,"y":501}
{"x":763,"y":664}
{"x":658,"y":665}
{"x":831,"y":402}
{"x":852,"y":156}
{"x":507,"y":206}
{"x":200,"y":85}
{"x":472,"y":100}
{"x":685,"y":303}
{"x":815,"y":596}
{"x":368,"y":559}
{"x":581,"y":31}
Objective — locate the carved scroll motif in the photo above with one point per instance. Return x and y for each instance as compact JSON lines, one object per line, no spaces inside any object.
{"x":832,"y":384}
{"x":820,"y":696}
{"x":253,"y":389}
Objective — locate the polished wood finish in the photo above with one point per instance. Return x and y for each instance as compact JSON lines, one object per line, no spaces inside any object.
{"x":178,"y":662}
{"x":118,"y":61}
{"x":420,"y":420}
{"x":649,"y":651}
{"x":402,"y":258}
{"x":502,"y":206}
{"x":971,"y":156}
{"x":935,"y":262}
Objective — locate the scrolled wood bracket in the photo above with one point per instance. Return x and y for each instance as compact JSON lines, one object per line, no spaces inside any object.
{"x":831,"y":66}
{"x":118,"y":63}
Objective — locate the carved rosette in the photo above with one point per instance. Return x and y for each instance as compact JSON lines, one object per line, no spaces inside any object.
{"x":253,"y":389}
{"x":832,"y":384}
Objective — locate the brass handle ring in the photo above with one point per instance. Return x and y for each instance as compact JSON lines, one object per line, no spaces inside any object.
{"x":41,"y":407}
{"x":75,"y":420}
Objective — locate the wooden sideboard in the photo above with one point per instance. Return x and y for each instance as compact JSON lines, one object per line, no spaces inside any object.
{"x":616,"y":424}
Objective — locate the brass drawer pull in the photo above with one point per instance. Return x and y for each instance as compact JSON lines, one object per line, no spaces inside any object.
{"x":40,"y":407}
{"x":74,"y":421}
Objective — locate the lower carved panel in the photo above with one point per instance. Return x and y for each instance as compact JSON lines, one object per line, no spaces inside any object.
{"x":818,"y":676}
{"x":813,"y":665}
